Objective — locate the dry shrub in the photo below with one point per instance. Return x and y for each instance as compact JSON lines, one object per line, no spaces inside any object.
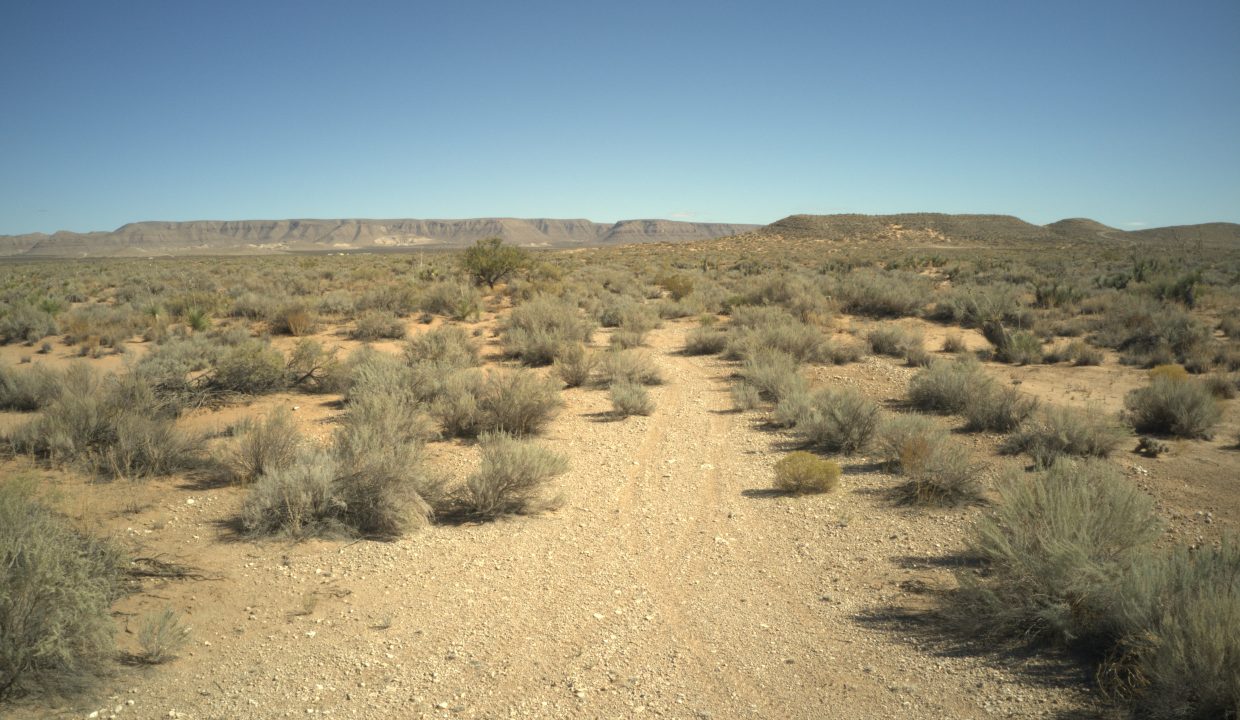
{"x":1064,"y":431}
{"x":378,"y":325}
{"x":511,"y":479}
{"x":456,"y":300}
{"x":954,"y":343}
{"x":250,"y":368}
{"x":1180,"y":407}
{"x":800,"y":473}
{"x":262,"y":446}
{"x":538,"y":330}
{"x":296,"y":319}
{"x":948,"y":386}
{"x":1001,"y":409}
{"x":841,"y":420}
{"x":939,"y":472}
{"x":629,"y":398}
{"x":57,"y":586}
{"x":902,"y":436}
{"x":893,"y":340}
{"x":447,"y":345}
{"x":575,"y":365}
{"x":26,"y":323}
{"x":633,"y":366}
{"x":1055,"y":551}
{"x":705,"y":341}
{"x":30,"y":389}
{"x":774,"y":376}
{"x":520,"y":403}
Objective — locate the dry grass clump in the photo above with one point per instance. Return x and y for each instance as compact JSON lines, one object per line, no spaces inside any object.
{"x":948,"y":386}
{"x":1077,"y":352}
{"x":1180,"y":407}
{"x":883,"y":294}
{"x":512,"y":478}
{"x":999,"y":409}
{"x":377,"y":325}
{"x":954,"y":343}
{"x":537,"y":331}
{"x":161,"y":636}
{"x":629,"y":398}
{"x":1064,"y":431}
{"x":57,"y":586}
{"x":262,"y":446}
{"x":800,"y":473}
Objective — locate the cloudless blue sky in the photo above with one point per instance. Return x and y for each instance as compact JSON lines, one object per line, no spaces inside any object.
{"x":113,"y":112}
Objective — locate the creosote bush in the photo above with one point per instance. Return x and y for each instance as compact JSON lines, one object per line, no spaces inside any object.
{"x":1180,"y":407}
{"x":800,"y":472}
{"x":512,"y":478}
{"x":57,"y":586}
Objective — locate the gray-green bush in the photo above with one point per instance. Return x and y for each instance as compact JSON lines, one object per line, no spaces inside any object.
{"x":948,"y":386}
{"x":841,"y":420}
{"x":512,"y":478}
{"x":1064,"y":431}
{"x":1180,"y":407}
{"x":629,"y":398}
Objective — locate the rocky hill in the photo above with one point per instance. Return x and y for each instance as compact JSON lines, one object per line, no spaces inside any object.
{"x":274,"y":236}
{"x":991,"y":230}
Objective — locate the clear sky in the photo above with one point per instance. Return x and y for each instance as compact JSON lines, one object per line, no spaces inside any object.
{"x":111,"y":112}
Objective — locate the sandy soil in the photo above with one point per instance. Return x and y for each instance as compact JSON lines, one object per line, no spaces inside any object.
{"x":670,"y":583}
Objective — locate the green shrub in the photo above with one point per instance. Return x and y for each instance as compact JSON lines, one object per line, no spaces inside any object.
{"x":1001,"y":409}
{"x":705,"y":341}
{"x":1064,"y":431}
{"x":57,"y":587}
{"x":1183,"y":408}
{"x":262,"y":446}
{"x":489,"y":260}
{"x":28,"y":390}
{"x":948,"y":386}
{"x":628,"y":398}
{"x":800,"y":472}
{"x":629,"y":366}
{"x":251,"y":368}
{"x":575,"y":365}
{"x":1053,"y":552}
{"x":511,"y":479}
{"x":839,"y":420}
{"x":377,"y":325}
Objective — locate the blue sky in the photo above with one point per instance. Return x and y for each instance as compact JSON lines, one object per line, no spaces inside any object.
{"x":1126,"y":112}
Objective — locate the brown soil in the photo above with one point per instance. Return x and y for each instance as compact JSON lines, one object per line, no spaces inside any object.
{"x":670,"y":583}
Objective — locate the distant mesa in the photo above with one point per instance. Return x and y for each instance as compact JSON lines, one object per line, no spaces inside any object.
{"x":208,"y":237}
{"x":242,"y":237}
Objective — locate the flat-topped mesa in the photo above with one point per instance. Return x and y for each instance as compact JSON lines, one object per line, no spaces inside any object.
{"x":207,"y":237}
